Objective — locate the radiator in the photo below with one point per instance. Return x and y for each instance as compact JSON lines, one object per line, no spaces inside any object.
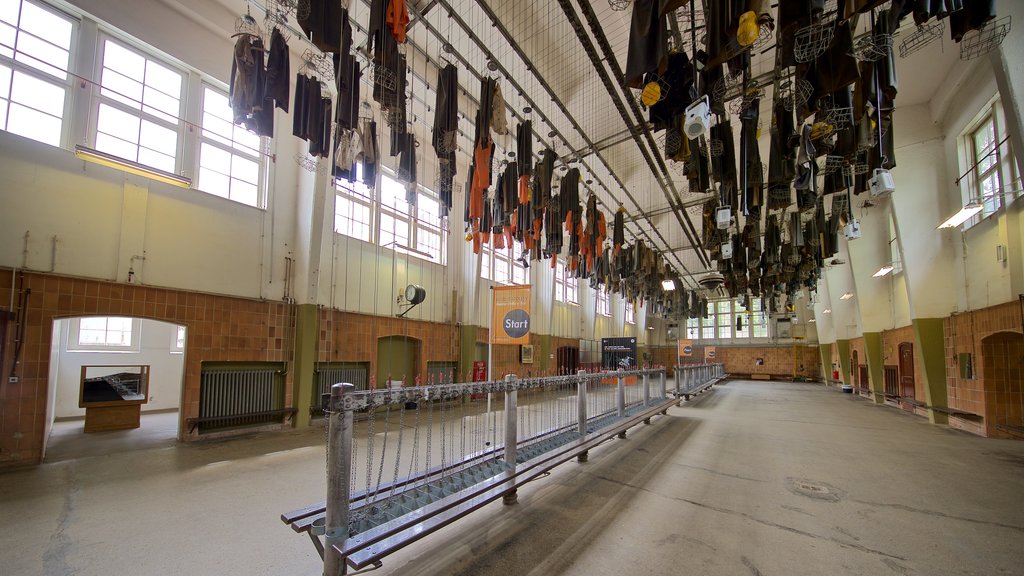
{"x":230,"y":395}
{"x":330,"y":375}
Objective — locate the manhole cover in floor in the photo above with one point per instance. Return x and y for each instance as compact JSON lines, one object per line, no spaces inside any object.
{"x":814,"y":489}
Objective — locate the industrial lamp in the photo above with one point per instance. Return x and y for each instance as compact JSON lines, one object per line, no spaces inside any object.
{"x":131,"y":167}
{"x":884,"y":270}
{"x":965,"y":214}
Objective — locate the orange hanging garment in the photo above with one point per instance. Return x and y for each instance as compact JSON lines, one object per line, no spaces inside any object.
{"x":524,"y":189}
{"x":398,"y":19}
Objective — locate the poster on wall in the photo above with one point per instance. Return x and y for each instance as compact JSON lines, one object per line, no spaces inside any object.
{"x":526,"y":354}
{"x":709,"y":353}
{"x":510,"y":315}
{"x":685,"y":348}
{"x":618,"y":353}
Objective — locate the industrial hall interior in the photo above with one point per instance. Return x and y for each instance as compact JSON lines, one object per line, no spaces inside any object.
{"x":529,"y":287}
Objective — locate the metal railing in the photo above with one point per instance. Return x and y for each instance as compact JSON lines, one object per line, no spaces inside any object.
{"x":425,"y":456}
{"x":694,"y":379}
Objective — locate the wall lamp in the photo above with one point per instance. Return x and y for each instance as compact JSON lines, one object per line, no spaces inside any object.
{"x":111,"y":161}
{"x":965,"y":214}
{"x":883,"y":271}
{"x":826,"y":311}
{"x":668,"y":284}
{"x":846,"y":296}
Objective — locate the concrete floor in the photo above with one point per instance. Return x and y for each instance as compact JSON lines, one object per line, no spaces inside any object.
{"x":752,"y":478}
{"x":68,"y":439}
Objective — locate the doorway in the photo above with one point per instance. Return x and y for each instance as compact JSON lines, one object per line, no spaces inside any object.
{"x":1003,"y":370}
{"x":115,"y":385}
{"x":397,"y":359}
{"x":907,"y":382}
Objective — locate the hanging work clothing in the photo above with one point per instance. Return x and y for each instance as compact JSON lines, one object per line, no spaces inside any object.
{"x":648,"y":42}
{"x":446,"y":131}
{"x":278,"y":71}
{"x":322,"y":24}
{"x":397,"y":18}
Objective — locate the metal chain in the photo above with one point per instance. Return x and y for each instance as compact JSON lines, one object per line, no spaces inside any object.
{"x":383,"y":452}
{"x":369,"y":441}
{"x":398,"y":455}
{"x":444,"y":435}
{"x":430,"y":436}
{"x":414,"y":465}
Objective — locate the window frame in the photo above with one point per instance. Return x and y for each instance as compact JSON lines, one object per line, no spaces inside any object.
{"x":75,"y":344}
{"x":236,"y":149}
{"x":1003,"y":170}
{"x":603,"y":303}
{"x":98,"y":99}
{"x":410,"y":216}
{"x":19,"y":66}
{"x":566,"y":287}
{"x":629,"y":312}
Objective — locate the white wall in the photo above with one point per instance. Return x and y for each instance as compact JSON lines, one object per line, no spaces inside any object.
{"x":166,"y":369}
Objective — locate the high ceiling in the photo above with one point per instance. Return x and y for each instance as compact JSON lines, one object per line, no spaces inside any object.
{"x":550,"y":59}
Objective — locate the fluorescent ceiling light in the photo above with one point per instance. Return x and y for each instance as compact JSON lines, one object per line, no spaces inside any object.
{"x":811,"y":321}
{"x":826,"y":311}
{"x":962,"y":216}
{"x":111,"y":161}
{"x":668,"y":284}
{"x":883,"y":271}
{"x":846,"y":296}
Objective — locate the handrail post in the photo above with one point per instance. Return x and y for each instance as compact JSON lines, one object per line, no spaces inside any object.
{"x":339,"y":467}
{"x":511,"y":439}
{"x":663,"y":377}
{"x":581,"y":409}
{"x":647,"y":388}
{"x":620,"y":400}
{"x":678,"y":377}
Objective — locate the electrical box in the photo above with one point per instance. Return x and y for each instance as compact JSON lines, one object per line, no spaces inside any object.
{"x":852,"y":230}
{"x":723,"y":217}
{"x":881,"y":183}
{"x":727,"y":250}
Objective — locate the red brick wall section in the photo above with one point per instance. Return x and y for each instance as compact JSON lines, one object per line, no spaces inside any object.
{"x":778,"y":361}
{"x":984,"y":394}
{"x":891,"y":340}
{"x":352,"y":337}
{"x":220,"y":328}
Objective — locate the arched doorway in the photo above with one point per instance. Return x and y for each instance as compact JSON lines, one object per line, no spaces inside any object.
{"x":1002,"y":356}
{"x":115,"y":385}
{"x":398,"y":360}
{"x":907,"y":378}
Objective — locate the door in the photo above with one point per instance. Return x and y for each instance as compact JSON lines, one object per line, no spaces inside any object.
{"x":397,"y":359}
{"x":892,"y":383}
{"x":906,"y":351}
{"x":864,"y":379}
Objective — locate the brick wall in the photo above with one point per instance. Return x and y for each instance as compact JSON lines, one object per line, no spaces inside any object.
{"x":220,"y":328}
{"x":995,"y":396}
{"x":778,"y":361}
{"x":352,"y":337}
{"x":891,"y":340}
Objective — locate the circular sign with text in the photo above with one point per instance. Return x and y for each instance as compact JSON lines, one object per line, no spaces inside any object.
{"x":516,"y":323}
{"x":688,"y":349}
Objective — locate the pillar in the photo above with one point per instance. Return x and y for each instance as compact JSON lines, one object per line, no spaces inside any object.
{"x":876,"y":360}
{"x":825,"y":351}
{"x":307,"y":331}
{"x":844,"y":361}
{"x":929,"y":337}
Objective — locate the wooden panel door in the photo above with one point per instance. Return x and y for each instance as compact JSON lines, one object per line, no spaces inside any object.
{"x":906,"y":351}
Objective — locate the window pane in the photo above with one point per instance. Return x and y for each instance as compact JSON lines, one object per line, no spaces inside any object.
{"x":161,"y":105}
{"x":501,"y":271}
{"x":244,"y":193}
{"x":214,"y":158}
{"x":117,"y":123}
{"x":42,"y":55}
{"x":393,"y":231}
{"x":9,"y":11}
{"x":156,"y":160}
{"x":159,"y":139}
{"x":245,"y":170}
{"x":123,"y":60}
{"x":33,"y":124}
{"x":44,"y":24}
{"x":116,"y":146}
{"x":121,"y":88}
{"x":162,"y":79}
{"x":38,"y":94}
{"x":7,"y":36}
{"x":392,"y":195}
{"x":214,"y":182}
{"x":429,"y":210}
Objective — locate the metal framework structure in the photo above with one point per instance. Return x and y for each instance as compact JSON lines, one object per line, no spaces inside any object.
{"x":417,"y":459}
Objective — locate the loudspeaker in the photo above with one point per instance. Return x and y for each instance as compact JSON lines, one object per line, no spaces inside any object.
{"x":881,"y":183}
{"x":698,"y":118}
